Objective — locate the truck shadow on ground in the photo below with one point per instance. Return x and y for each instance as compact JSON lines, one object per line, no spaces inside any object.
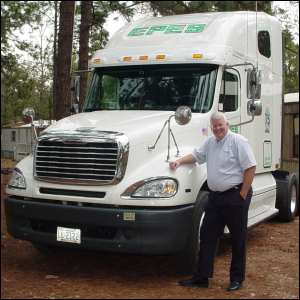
{"x":72,"y":263}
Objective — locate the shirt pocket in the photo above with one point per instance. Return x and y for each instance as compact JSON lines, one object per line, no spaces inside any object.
{"x":227,"y":159}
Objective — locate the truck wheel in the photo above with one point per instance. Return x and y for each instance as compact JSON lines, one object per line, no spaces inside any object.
{"x":297,"y":194}
{"x":188,"y":258}
{"x":288,"y":212}
{"x":45,"y":249}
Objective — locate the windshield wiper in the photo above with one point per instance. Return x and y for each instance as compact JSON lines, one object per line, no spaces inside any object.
{"x":96,"y":109}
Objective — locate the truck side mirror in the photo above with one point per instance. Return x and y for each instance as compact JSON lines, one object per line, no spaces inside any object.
{"x":76,"y":90}
{"x":253,"y":84}
{"x":250,"y":83}
{"x":183,"y":115}
{"x":28,"y":115}
{"x":258,"y":91}
{"x":75,"y":94}
{"x":258,"y":84}
{"x":255,"y":105}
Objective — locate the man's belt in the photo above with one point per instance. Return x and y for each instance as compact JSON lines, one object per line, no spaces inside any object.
{"x":237,"y":187}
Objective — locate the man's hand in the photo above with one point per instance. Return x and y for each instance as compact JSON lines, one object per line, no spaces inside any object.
{"x":174,"y":165}
{"x":188,"y":159}
{"x":243,"y":194}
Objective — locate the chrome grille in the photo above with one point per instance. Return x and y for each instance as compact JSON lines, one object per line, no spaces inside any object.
{"x":83,"y":160}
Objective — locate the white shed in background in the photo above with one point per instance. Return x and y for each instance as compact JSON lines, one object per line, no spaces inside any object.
{"x":16,"y":139}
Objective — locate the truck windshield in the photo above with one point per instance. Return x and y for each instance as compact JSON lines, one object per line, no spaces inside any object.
{"x":152,"y":88}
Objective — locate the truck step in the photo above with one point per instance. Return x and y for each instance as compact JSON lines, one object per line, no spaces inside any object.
{"x":263,"y":217}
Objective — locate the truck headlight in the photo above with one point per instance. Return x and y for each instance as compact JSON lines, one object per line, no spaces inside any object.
{"x":152,"y":188}
{"x":17,"y":180}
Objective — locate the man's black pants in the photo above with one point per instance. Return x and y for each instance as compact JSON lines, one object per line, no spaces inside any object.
{"x":227,"y":208}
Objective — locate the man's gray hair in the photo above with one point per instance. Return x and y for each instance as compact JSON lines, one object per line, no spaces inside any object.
{"x":218,"y":115}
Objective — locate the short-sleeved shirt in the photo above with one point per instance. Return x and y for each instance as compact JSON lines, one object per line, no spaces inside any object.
{"x":226,"y":160}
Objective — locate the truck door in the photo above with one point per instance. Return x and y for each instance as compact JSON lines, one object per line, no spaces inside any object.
{"x":229,"y":100}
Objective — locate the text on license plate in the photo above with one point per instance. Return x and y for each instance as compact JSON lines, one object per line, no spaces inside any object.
{"x":69,"y":235}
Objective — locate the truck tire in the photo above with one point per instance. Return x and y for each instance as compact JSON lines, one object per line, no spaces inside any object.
{"x":45,"y":249}
{"x":288,"y":212}
{"x":186,"y":260}
{"x":297,"y":194}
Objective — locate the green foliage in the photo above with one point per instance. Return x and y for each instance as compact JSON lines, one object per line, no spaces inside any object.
{"x":167,"y":8}
{"x":291,"y":64}
{"x":264,"y":6}
{"x":23,"y":82}
{"x":16,"y":88}
{"x":98,"y":35}
{"x":15,"y":14}
{"x":290,"y":22}
{"x":109,"y":85}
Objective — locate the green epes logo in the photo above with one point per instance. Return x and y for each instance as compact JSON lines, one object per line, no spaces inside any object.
{"x":193,"y":28}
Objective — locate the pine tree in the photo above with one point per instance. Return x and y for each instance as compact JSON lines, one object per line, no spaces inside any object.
{"x":65,"y":46}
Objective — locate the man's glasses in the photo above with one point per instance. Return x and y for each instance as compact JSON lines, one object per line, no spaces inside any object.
{"x":216,"y":126}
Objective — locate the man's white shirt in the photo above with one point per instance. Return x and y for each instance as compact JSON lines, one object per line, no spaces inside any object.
{"x":226,"y":160}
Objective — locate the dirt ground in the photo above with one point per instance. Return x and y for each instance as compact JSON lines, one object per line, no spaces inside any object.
{"x":272,"y":270}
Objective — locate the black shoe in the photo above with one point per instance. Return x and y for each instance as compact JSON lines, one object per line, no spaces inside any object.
{"x":234,"y":286}
{"x":203,"y":282}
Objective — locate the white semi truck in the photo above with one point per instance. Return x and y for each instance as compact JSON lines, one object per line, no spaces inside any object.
{"x":100,"y":179}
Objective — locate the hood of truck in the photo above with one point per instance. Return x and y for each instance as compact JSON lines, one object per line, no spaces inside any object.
{"x":139,"y":126}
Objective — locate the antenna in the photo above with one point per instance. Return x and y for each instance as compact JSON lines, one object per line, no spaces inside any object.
{"x":247,"y":35}
{"x":256,"y":36}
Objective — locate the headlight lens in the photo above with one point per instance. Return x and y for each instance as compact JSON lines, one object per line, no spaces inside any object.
{"x":17,"y":180}
{"x":163,"y":188}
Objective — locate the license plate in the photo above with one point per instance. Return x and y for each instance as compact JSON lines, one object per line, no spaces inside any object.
{"x":69,"y":235}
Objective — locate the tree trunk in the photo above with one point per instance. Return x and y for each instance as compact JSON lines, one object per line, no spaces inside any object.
{"x":54,"y":65}
{"x":84,"y":49}
{"x":64,"y":58}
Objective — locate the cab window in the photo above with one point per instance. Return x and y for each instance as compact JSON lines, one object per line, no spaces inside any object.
{"x":264,"y":43}
{"x":229,"y":93}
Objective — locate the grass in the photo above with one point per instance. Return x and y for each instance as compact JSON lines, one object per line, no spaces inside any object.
{"x":8,"y":163}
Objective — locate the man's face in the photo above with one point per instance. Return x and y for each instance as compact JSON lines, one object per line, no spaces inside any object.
{"x":219,"y":128}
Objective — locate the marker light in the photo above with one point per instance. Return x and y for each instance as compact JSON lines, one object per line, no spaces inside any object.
{"x":160,"y":56}
{"x":143,"y":57}
{"x":197,"y":56}
{"x":97,"y":60}
{"x":127,"y":58}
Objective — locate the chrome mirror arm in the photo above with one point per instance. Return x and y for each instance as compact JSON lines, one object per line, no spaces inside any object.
{"x":152,"y":147}
{"x":182,"y":116}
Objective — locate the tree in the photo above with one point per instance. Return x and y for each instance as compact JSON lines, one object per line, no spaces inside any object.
{"x":92,"y":35}
{"x":291,"y":65}
{"x":84,"y":48}
{"x":16,"y":90}
{"x":167,"y":8}
{"x":14,"y":15}
{"x":54,"y":61}
{"x":289,"y":18}
{"x":65,"y":46}
{"x":18,"y":81}
{"x":41,"y":54}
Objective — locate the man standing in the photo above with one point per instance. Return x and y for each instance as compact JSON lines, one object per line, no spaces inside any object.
{"x":230,"y":171}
